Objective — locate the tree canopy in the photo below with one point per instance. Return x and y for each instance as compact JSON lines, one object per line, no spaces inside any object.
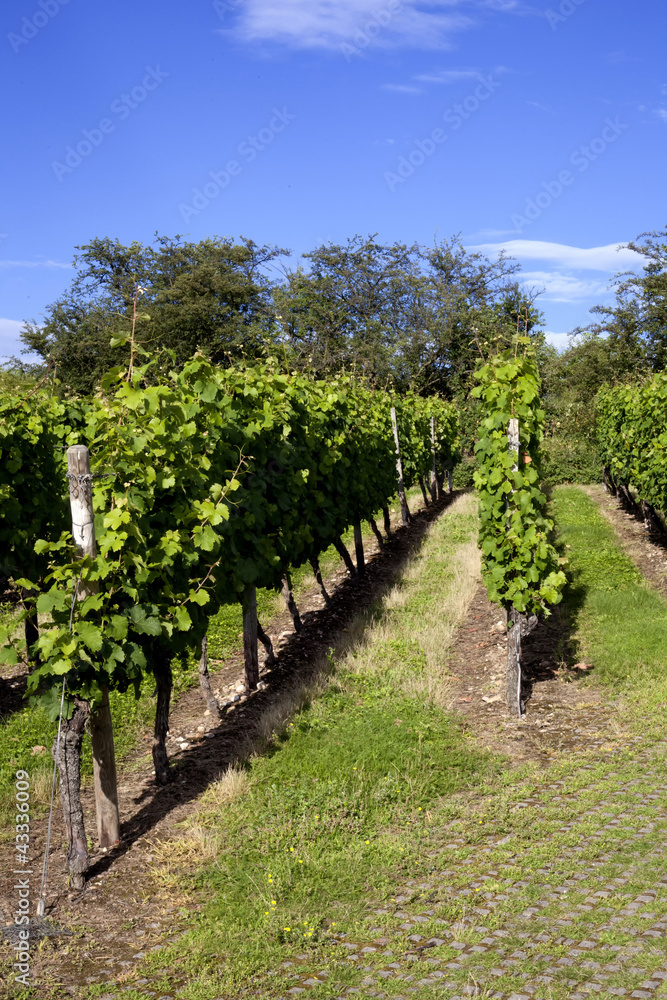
{"x":213,"y":295}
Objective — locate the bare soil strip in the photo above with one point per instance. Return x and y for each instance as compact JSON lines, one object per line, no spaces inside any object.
{"x":560,"y":714}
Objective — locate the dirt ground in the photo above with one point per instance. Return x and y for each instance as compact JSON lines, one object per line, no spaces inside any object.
{"x":561,"y":713}
{"x":121,"y":915}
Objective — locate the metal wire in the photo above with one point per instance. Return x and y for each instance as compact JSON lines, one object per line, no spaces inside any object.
{"x":41,"y":903}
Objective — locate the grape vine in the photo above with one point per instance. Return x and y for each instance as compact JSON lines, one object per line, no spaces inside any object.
{"x":521,"y":568}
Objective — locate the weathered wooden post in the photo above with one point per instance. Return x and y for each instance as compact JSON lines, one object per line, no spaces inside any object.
{"x":250,"y":655}
{"x":101,"y":727}
{"x":359,"y":549}
{"x":68,"y":761}
{"x":514,"y":617}
{"x":434,"y":470}
{"x":405,"y":511}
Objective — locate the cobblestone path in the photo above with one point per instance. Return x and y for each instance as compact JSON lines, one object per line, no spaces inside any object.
{"x":571,"y":902}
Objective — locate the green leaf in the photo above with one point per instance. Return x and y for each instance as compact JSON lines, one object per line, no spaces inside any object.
{"x":118,"y":626}
{"x":90,"y":635}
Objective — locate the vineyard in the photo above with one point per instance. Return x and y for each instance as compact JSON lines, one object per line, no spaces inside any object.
{"x":394,"y":727}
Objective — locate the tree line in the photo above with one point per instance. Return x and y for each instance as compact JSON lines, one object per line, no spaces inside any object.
{"x":404,"y":316}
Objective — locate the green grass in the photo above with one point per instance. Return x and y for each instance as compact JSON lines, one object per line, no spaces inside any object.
{"x":620,"y":623}
{"x":338,"y":805}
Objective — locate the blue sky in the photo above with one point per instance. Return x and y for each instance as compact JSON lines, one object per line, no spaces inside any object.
{"x":539,"y":127}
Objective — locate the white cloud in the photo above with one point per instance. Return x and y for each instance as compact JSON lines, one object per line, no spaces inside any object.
{"x":488,"y":234}
{"x":327,"y":24}
{"x":610,"y":258}
{"x":401,"y":88}
{"x":9,"y":336}
{"x":558,"y":340}
{"x":33,"y":263}
{"x":563,"y":287}
{"x":447,"y":76}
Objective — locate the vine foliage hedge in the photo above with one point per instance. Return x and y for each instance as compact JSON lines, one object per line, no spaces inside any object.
{"x":206,"y":482}
{"x":632,"y":432}
{"x":521,"y":567}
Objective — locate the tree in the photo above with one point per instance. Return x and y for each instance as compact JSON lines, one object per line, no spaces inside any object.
{"x":636,"y":325}
{"x":352,"y":308}
{"x":469,"y":301}
{"x":212,"y":295}
{"x":407,"y":314}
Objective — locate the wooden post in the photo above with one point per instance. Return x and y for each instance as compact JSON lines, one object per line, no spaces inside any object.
{"x":317,"y":573}
{"x":434,"y":470}
{"x":514,"y":617}
{"x":513,"y":440}
{"x":359,"y":549}
{"x":104,"y":773}
{"x":81,"y":504}
{"x":345,"y":556}
{"x":376,"y":532}
{"x":101,"y":727}
{"x":405,"y":511}
{"x":69,"y":769}
{"x":250,"y":656}
{"x":387,"y":521}
{"x":513,"y":679}
{"x":205,"y":681}
{"x":290,"y":602}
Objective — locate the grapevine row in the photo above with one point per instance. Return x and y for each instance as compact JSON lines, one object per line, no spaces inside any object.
{"x":631,"y":424}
